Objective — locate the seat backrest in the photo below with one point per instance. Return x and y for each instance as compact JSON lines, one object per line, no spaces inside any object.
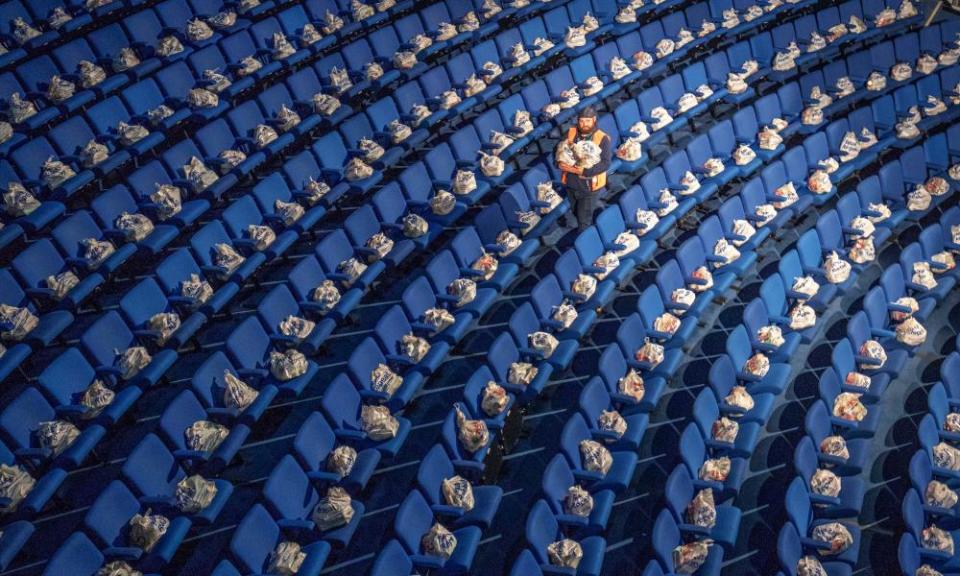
{"x":546,"y":295}
{"x":665,"y":537}
{"x":440,"y":161}
{"x":238,"y":46}
{"x":913,"y":515}
{"x":573,"y":432}
{"x":105,"y":337}
{"x":588,"y":245}
{"x":276,"y":306}
{"x":389,"y":203}
{"x":594,"y":399}
{"x":391,"y":328}
{"x":650,"y":305}
{"x":631,"y":334}
{"x":414,"y":519}
{"x":489,"y":223}
{"x":11,"y":293}
{"x":805,"y":458}
{"x":612,"y":366}
{"x":705,"y":411}
{"x":773,"y":294}
{"x":678,"y":491}
{"x":363,"y":360}
{"x":567,"y":267}
{"x":442,"y":270}
{"x":722,"y":139}
{"x":950,"y":374}
{"x":927,"y":433}
{"x":334,"y":249}
{"x":484,"y":52}
{"x":829,"y":385}
{"x":341,"y":403}
{"x":70,"y":136}
{"x":541,"y":530}
{"x":179,"y":415}
{"x":817,"y":422}
{"x":789,"y":549}
{"x":151,"y":470}
{"x":858,"y":330}
{"x":830,"y":230}
{"x":330,"y":151}
{"x":176,"y":268}
{"x":798,"y":505}
{"x":22,"y":416}
{"x":254,"y":539}
{"x":745,"y":124}
{"x":142,"y":301}
{"x":418,"y":297}
{"x":143,"y":96}
{"x":893,"y":283}
{"x":631,"y":201}
{"x":67,"y":377}
{"x":110,"y":513}
{"x":207,"y":58}
{"x":501,"y":354}
{"x":557,"y":479}
{"x":289,"y":492}
{"x":522,"y":323}
{"x":77,"y":556}
{"x":434,"y":469}
{"x":208,"y":381}
{"x":248,"y":345}
{"x":205,"y":239}
{"x":921,"y":471}
{"x":466,"y":246}
{"x":848,"y":207}
{"x":300,"y":168}
{"x":875,"y":306}
{"x":670,"y":278}
{"x":175,"y":80}
{"x":535,"y":95}
{"x":692,"y":448}
{"x":313,"y":442}
{"x":909,"y":256}
{"x":738,"y":346}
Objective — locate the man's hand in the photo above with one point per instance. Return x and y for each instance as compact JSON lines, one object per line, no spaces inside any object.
{"x":572,"y":169}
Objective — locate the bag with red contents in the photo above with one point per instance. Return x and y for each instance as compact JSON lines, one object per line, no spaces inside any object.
{"x":472,"y":434}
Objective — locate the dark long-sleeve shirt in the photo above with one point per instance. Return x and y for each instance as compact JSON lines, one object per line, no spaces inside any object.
{"x":582,"y":183}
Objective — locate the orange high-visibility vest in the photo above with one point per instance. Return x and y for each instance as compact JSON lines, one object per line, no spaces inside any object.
{"x":600,"y":180}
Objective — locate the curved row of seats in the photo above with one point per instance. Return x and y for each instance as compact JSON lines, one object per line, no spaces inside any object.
{"x":873,"y":322}
{"x":918,"y":512}
{"x":770,"y":307}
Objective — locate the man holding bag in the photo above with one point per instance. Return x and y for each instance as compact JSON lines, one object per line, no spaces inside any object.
{"x":584,"y":158}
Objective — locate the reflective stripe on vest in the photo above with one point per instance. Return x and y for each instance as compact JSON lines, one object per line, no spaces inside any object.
{"x":600,"y":180}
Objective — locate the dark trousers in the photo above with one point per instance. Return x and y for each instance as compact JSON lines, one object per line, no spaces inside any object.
{"x":585,"y":205}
